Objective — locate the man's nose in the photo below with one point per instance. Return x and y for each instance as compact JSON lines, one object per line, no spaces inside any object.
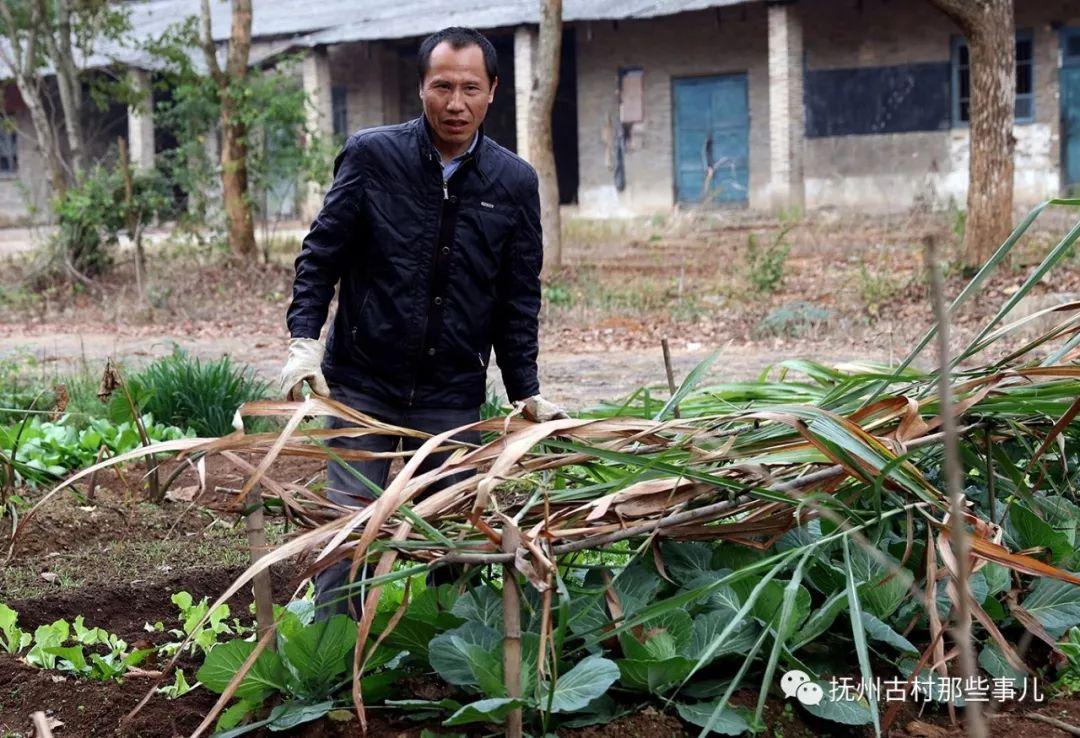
{"x":457,"y":100}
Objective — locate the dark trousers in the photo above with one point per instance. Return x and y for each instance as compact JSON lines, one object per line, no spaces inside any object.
{"x":345,"y":488}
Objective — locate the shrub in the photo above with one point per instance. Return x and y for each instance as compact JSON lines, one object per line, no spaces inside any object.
{"x":791,"y":319}
{"x":557,"y":293}
{"x":765,"y":264}
{"x":95,"y":211}
{"x":876,"y":287}
{"x":184,"y":391}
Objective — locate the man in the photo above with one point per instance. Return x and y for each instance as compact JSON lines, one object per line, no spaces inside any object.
{"x":433,"y":232}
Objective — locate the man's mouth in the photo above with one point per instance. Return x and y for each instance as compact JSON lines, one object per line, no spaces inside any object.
{"x":456,"y":125}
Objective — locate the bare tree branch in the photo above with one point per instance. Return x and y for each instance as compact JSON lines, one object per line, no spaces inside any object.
{"x":208,"y":47}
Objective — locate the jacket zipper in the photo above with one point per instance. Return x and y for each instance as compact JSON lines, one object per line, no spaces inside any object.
{"x":438,"y":232}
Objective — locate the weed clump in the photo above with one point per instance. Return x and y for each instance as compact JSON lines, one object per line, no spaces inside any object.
{"x":792,"y":319}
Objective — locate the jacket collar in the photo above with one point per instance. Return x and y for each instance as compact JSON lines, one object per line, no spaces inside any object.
{"x":428,"y":151}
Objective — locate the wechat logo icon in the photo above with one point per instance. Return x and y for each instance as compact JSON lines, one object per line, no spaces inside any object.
{"x":797,"y":684}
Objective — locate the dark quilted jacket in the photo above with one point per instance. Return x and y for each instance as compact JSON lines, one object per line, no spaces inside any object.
{"x":432,"y":274}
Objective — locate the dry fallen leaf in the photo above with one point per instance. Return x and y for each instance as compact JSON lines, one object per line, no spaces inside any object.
{"x":50,"y":576}
{"x":925,"y":730}
{"x":182,"y":494}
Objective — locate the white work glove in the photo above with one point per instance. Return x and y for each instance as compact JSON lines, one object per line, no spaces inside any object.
{"x":304,"y":365}
{"x":539,"y":410}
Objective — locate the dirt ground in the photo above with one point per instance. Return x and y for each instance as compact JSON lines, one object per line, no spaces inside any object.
{"x":622,"y":288}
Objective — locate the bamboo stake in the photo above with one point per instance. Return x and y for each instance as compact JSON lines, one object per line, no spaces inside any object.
{"x":511,"y":539}
{"x":990,"y":480}
{"x":670,"y":373}
{"x":256,"y":535}
{"x":976,"y":722}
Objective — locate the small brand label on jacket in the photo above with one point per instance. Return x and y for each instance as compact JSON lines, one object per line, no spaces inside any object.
{"x":486,"y":204}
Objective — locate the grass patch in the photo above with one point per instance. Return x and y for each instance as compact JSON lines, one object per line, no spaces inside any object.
{"x":792,"y":320}
{"x":184,"y":391}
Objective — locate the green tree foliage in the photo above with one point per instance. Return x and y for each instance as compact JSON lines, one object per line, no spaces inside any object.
{"x":272,"y":110}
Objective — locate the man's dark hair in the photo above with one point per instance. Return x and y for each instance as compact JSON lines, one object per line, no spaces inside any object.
{"x":458,"y":38}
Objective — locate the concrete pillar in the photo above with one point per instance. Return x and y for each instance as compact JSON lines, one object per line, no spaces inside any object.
{"x":140,"y":138}
{"x":524,"y":61}
{"x":212,"y":196}
{"x":786,"y":118}
{"x":315,"y":72}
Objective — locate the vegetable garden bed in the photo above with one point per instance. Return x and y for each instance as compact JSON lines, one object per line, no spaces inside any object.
{"x":695,"y":558}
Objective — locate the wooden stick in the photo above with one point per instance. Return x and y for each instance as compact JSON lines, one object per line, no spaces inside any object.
{"x":1059,"y":724}
{"x":670,"y":373}
{"x":511,"y":539}
{"x":256,"y":535}
{"x":91,"y":486}
{"x":973,"y":715}
{"x":41,"y":725}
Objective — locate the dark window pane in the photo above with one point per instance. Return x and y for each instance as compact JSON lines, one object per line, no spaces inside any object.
{"x":1023,"y":49}
{"x":1023,"y":79}
{"x":8,"y":160}
{"x":963,"y":55}
{"x":340,"y":110}
{"x":1024,"y":107}
{"x":965,"y":86}
{"x":964,"y":110}
{"x":1072,"y":46}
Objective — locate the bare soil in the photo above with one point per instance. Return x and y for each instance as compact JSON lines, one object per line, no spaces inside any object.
{"x":622,"y":287}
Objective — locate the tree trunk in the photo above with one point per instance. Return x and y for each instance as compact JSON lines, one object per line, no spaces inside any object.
{"x":234,"y":150}
{"x":234,"y":185}
{"x":44,"y":134}
{"x":19,"y":57}
{"x":541,"y":147}
{"x":68,"y":84}
{"x":990,"y":29}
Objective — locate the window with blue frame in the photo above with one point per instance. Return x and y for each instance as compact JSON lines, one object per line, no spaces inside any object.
{"x":1025,"y":79}
{"x":1070,"y":45}
{"x":339,"y":106}
{"x":9,"y":152}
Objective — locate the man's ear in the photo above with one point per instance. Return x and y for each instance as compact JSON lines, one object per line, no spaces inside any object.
{"x":491,"y":93}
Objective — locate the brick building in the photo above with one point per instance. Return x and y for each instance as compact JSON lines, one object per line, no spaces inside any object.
{"x":765,"y":105}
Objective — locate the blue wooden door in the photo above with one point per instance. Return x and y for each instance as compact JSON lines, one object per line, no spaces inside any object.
{"x":712,"y":133}
{"x":1070,"y":106}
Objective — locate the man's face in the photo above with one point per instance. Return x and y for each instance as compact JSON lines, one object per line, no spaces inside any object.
{"x":456,"y":94}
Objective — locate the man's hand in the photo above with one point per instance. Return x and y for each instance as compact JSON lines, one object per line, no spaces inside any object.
{"x":304,"y":365}
{"x":539,"y":410}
